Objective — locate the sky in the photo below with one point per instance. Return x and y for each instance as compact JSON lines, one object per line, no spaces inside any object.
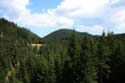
{"x":45,"y":16}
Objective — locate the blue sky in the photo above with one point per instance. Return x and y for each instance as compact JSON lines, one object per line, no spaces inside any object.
{"x":45,"y":16}
{"x":40,"y":5}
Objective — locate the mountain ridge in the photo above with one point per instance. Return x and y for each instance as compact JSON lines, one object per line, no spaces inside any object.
{"x":12,"y":31}
{"x":64,"y":34}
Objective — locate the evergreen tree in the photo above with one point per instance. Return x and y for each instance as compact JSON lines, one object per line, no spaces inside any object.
{"x":103,"y":60}
{"x":88,"y":61}
{"x":71,"y":65}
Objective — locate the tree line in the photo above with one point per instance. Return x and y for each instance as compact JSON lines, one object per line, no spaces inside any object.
{"x":85,"y":59}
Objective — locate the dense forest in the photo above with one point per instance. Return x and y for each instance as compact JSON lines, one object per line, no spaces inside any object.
{"x":65,"y":56}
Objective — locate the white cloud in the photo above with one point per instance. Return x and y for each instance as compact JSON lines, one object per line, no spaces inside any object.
{"x":46,"y":20}
{"x":118,"y":20}
{"x":117,"y":1}
{"x":83,"y":8}
{"x":13,"y":9}
{"x":67,"y":14}
{"x":119,"y":16}
{"x":17,"y":10}
{"x":95,"y":29}
{"x":114,"y":1}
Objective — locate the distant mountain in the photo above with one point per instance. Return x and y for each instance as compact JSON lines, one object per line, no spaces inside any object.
{"x":120,"y":36}
{"x":11,"y":32}
{"x":64,"y":34}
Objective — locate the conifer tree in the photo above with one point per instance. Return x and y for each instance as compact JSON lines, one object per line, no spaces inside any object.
{"x":88,"y":61}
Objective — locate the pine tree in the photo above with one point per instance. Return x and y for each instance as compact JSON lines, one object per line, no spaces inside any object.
{"x":103,"y":60}
{"x":71,"y":65}
{"x":88,"y":61}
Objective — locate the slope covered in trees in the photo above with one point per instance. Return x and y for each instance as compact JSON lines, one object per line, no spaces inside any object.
{"x":67,"y":57}
{"x":63,"y":34}
{"x":11,"y":31}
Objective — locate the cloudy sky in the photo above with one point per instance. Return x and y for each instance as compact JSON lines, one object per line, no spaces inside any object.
{"x":45,"y":16}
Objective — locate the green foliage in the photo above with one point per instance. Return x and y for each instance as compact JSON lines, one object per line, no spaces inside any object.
{"x":67,"y":57}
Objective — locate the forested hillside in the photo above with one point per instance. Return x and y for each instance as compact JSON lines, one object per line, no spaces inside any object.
{"x":63,"y":34}
{"x":67,"y":56}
